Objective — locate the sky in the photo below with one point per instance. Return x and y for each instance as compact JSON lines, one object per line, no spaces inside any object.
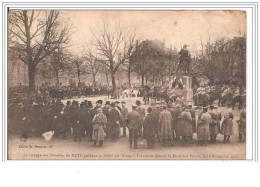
{"x":175,"y":27}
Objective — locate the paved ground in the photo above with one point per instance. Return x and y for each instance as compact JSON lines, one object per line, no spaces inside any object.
{"x":37,"y":148}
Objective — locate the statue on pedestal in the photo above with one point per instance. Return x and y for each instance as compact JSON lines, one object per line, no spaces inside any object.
{"x":185,"y":60}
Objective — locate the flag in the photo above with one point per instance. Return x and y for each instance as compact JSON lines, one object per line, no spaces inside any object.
{"x":48,"y":135}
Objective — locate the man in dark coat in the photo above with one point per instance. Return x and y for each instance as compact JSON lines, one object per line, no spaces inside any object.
{"x":113,"y":122}
{"x":156,"y":112}
{"x":117,"y":106}
{"x":141,"y":112}
{"x":176,"y":125}
{"x":66,"y":123}
{"x":150,"y":128}
{"x":76,"y":122}
{"x":193,"y":117}
{"x":213,"y":126}
{"x":133,"y":124}
{"x":106,"y":108}
{"x":92,"y":112}
{"x":124,"y":112}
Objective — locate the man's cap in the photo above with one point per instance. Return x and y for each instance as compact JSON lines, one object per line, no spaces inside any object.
{"x":99,"y":101}
{"x":211,"y":107}
{"x":117,"y":102}
{"x":123,"y":102}
{"x":138,"y":102}
{"x":113,"y":104}
{"x":107,"y":103}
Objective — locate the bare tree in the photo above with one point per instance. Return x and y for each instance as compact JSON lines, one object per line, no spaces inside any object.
{"x":35,"y":35}
{"x":92,"y":66}
{"x":113,"y":47}
{"x":59,"y":61}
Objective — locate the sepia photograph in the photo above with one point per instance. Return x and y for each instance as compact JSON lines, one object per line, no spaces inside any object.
{"x":126,"y":84}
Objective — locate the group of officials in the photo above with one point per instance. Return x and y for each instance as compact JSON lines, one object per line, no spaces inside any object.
{"x":163,"y":122}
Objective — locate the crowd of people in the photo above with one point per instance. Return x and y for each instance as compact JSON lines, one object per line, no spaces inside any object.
{"x":163,"y":122}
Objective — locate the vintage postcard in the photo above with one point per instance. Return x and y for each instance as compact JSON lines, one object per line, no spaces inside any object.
{"x":127,"y":84}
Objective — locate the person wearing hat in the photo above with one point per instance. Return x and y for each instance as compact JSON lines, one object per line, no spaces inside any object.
{"x":186,"y":123}
{"x":113,"y":122}
{"x":204,"y":120}
{"x":117,"y":106}
{"x":99,"y":123}
{"x":133,"y":123}
{"x":213,"y":126}
{"x":66,"y":120}
{"x":165,"y":123}
{"x":242,"y":125}
{"x":227,"y":127}
{"x":177,"y":125}
{"x":76,"y":121}
{"x":106,"y":108}
{"x":185,"y":59}
{"x":150,"y":128}
{"x":141,"y":111}
{"x":124,"y":112}
{"x":90,"y":115}
{"x":98,"y":104}
{"x":156,"y":112}
{"x":193,"y":117}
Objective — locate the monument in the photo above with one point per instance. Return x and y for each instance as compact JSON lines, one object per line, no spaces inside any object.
{"x":181,"y":86}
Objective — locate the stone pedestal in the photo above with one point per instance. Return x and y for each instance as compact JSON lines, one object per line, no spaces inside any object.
{"x":187,"y":92}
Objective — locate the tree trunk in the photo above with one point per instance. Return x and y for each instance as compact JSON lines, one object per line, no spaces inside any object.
{"x":107,"y":78}
{"x":142,"y":80}
{"x":113,"y":84}
{"x":57,"y":78}
{"x":94,"y":81}
{"x":129,"y":78}
{"x":31,"y":69}
{"x":162,"y":80}
{"x":78,"y":78}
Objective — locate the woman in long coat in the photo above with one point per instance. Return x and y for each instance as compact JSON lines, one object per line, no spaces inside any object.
{"x":203,"y":126}
{"x":186,"y":123}
{"x":227,"y":127}
{"x":165,"y":122}
{"x":99,"y":122}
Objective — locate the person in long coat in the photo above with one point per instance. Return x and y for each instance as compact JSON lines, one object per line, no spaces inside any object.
{"x":186,"y":123}
{"x":177,"y":126}
{"x":227,"y":128}
{"x":242,"y":125}
{"x":141,"y":111}
{"x":77,"y":122}
{"x":193,"y":117}
{"x":156,"y":112}
{"x":124,"y":112}
{"x":90,"y":115}
{"x":150,"y":128}
{"x":24,"y":121}
{"x":66,"y":127}
{"x":99,"y":123}
{"x":203,"y":126}
{"x":133,"y":123}
{"x":113,"y":122}
{"x":165,"y":122}
{"x":213,"y":126}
